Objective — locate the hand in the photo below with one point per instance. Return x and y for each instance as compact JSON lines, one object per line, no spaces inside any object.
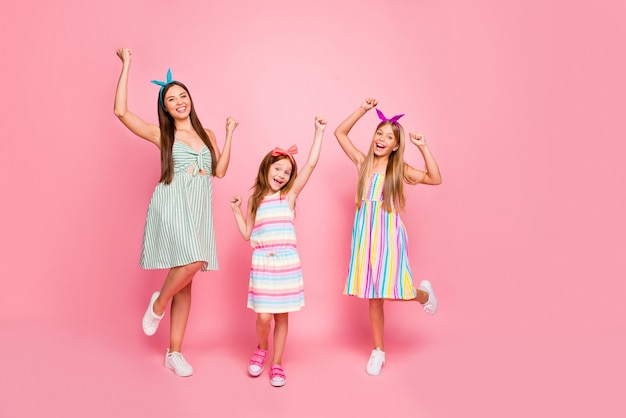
{"x":124,"y":54}
{"x":320,"y":123}
{"x":417,"y":139}
{"x":369,"y":103}
{"x":231,"y":124}
{"x":235,"y":202}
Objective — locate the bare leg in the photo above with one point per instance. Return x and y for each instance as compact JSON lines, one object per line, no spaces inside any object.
{"x":422,"y":297}
{"x":281,"y":325}
{"x":263,"y":326}
{"x":179,"y":313}
{"x":177,"y":287}
{"x":377,"y":321}
{"x":177,"y":279}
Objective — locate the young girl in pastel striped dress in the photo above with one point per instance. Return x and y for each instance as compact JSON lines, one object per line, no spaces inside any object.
{"x":379,"y":265}
{"x":276,"y":286}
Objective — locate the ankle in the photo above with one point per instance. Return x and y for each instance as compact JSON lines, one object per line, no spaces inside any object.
{"x":156,"y":307}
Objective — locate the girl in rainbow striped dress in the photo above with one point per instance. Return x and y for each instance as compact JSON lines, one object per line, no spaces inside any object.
{"x":379,"y":265}
{"x":276,"y":286}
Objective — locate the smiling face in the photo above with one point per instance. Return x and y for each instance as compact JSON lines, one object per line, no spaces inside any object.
{"x":384,"y":140}
{"x":177,"y":101}
{"x":279,"y":174}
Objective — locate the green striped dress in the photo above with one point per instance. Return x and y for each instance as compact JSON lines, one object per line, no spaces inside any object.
{"x":179,"y":224}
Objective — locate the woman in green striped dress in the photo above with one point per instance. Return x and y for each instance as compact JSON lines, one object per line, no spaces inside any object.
{"x":179,"y":232}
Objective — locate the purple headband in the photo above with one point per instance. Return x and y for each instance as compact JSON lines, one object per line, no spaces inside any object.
{"x":384,"y":118}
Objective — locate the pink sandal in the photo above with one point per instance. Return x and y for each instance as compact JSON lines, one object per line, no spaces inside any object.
{"x":255,"y":366}
{"x":277,"y":376}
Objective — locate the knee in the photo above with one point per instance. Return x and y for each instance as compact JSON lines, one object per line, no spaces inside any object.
{"x":264,"y":319}
{"x":281,"y":318}
{"x":376,"y":304}
{"x":193,"y":268}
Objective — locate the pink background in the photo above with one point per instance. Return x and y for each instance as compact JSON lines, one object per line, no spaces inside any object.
{"x":522,"y":105}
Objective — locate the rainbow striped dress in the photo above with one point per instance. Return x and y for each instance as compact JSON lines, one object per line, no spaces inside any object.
{"x":276,"y":284}
{"x":179,"y":223}
{"x":379,"y":265}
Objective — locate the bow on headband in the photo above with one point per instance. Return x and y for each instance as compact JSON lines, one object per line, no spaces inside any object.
{"x":167,"y":81}
{"x":384,"y":119}
{"x":288,"y":152}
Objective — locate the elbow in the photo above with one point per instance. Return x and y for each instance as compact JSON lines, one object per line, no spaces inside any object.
{"x":339,"y":131}
{"x":220,"y":172}
{"x":120,"y":113}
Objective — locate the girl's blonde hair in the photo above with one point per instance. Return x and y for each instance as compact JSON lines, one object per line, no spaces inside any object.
{"x":261,"y":187}
{"x":393,"y":188}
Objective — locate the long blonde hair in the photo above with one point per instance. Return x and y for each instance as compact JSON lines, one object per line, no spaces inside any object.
{"x":393,"y":188}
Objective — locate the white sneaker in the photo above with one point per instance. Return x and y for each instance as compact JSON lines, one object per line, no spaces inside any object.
{"x":430,"y":307}
{"x":151,"y":320}
{"x":175,"y":361}
{"x":375,"y":363}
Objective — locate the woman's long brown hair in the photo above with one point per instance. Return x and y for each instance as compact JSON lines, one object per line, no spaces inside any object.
{"x":167,"y":127}
{"x":393,"y":188}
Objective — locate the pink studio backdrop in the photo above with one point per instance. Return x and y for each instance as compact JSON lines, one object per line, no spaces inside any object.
{"x":521,"y":104}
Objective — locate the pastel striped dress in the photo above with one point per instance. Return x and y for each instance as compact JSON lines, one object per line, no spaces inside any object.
{"x":276,"y":284}
{"x":179,"y":224}
{"x":379,"y":265}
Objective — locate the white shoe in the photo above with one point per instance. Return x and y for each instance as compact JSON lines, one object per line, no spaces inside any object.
{"x":375,"y":363}
{"x":430,"y":307}
{"x":151,"y":320}
{"x":175,"y":361}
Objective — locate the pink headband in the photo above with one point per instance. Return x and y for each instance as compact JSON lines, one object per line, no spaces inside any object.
{"x":384,"y":119}
{"x":288,"y":152}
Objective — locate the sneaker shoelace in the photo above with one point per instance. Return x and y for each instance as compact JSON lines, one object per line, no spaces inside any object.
{"x":377,"y":359}
{"x":153,"y":321}
{"x":429,"y":308}
{"x":178,"y":360}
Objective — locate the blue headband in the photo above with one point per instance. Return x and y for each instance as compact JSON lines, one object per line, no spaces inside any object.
{"x":167,"y":81}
